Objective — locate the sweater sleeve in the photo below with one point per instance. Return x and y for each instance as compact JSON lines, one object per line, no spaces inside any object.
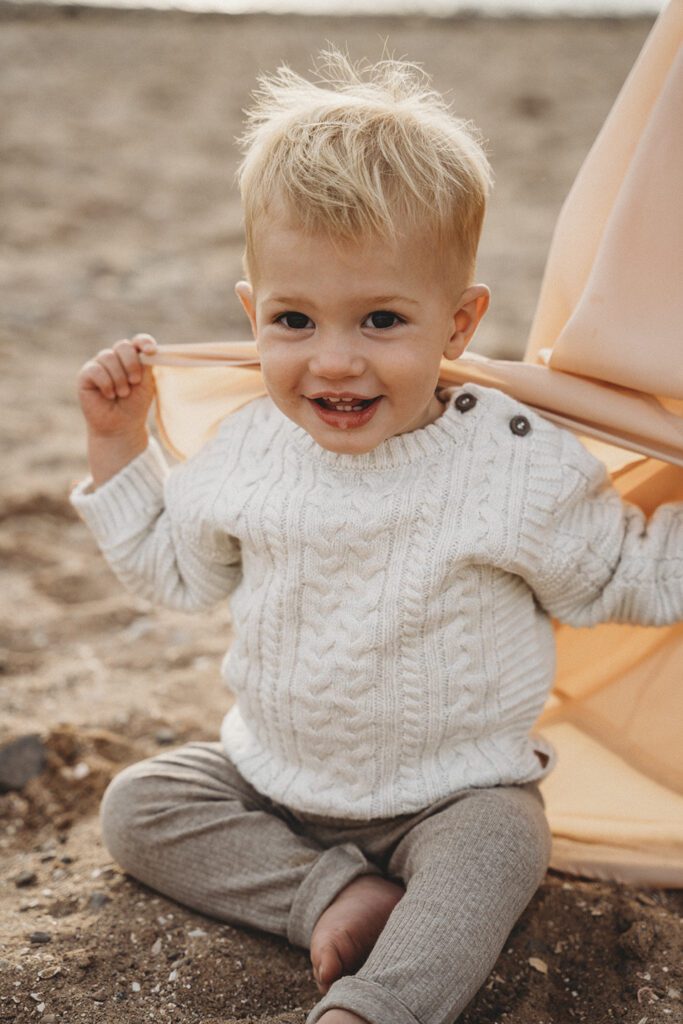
{"x":591,"y":557}
{"x":143,"y":522}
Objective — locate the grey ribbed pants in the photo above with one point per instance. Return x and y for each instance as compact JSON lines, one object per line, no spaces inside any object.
{"x":187,"y":824}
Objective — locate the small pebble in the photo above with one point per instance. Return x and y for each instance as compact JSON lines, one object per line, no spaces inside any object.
{"x":538,"y":964}
{"x":25,"y":878}
{"x":97,"y":900}
{"x":49,"y":972}
{"x":135,"y":986}
{"x":100,"y":996}
{"x":37,"y":937}
{"x":49,"y":1018}
{"x":20,"y":760}
{"x":164,"y":737}
{"x":106,"y":872}
{"x":29,"y":905}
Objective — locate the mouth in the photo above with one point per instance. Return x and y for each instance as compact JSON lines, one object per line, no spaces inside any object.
{"x":346,"y":404}
{"x":352,"y":412}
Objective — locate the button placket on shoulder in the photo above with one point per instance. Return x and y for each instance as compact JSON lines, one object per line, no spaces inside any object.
{"x":520,"y":425}
{"x":465,"y":402}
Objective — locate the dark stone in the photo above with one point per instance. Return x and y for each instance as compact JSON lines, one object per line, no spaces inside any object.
{"x":20,"y":760}
{"x":97,"y":900}
{"x":25,"y":878}
{"x":38,"y":937}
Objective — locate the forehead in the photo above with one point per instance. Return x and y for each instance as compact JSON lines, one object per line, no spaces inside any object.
{"x":288,"y":258}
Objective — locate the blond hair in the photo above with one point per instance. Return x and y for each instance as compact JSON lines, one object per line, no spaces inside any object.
{"x":364,"y":150}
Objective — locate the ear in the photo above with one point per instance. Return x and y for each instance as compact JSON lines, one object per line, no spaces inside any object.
{"x":472,"y":306}
{"x":245,"y":294}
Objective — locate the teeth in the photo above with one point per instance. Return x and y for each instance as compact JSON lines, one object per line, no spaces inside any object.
{"x":344,"y":404}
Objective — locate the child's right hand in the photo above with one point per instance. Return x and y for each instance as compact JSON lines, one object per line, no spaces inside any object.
{"x":115,"y":389}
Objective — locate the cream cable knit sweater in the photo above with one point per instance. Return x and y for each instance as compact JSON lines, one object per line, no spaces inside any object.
{"x":391,"y":609}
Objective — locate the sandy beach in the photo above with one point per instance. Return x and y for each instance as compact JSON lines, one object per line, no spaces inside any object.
{"x":120,"y":214}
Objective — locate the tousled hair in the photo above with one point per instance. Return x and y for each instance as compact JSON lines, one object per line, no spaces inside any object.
{"x":365,"y":149}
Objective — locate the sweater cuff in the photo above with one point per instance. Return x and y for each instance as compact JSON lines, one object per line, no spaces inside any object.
{"x":128,"y":501}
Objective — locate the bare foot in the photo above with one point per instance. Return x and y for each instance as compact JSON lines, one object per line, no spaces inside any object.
{"x":341,"y":1017}
{"x":347,"y":930}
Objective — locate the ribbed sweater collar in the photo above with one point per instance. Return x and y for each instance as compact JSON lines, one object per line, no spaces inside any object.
{"x":394,"y":451}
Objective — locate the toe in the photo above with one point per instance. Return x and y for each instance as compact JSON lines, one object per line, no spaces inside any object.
{"x":330,"y":965}
{"x":327,"y":967}
{"x":340,"y":955}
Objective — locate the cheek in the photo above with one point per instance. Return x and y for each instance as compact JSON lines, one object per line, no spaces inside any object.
{"x":279,"y":367}
{"x":415,"y":371}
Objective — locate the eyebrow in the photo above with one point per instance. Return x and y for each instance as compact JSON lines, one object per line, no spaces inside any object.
{"x":372,"y":300}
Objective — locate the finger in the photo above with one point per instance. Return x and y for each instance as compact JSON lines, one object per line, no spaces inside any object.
{"x":94,"y":376}
{"x":129,"y":357}
{"x":145,"y":343}
{"x":114,"y":367}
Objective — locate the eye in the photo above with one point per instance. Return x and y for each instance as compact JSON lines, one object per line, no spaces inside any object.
{"x":383,"y":318}
{"x":295,"y":321}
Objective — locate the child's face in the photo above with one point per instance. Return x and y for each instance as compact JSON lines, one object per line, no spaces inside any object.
{"x":368,"y":319}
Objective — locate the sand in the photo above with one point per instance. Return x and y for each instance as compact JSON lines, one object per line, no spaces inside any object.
{"x":119,"y":215}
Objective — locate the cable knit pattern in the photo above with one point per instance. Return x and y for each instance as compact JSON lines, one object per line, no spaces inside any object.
{"x":391,"y":609}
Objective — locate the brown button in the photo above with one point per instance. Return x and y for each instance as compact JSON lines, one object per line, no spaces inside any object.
{"x":520,"y":425}
{"x":465,"y":402}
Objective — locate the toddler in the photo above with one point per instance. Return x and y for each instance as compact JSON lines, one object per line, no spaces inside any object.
{"x":393,"y":552}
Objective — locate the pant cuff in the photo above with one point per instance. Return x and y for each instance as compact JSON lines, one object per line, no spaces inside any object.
{"x":331,"y":872}
{"x":366,"y":998}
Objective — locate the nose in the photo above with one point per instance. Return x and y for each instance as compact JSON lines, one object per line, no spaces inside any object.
{"x":336,"y":356}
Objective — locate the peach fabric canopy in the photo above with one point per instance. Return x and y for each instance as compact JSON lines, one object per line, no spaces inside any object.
{"x":605,"y":358}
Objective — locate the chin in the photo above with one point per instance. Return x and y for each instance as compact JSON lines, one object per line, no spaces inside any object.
{"x":344,"y":445}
